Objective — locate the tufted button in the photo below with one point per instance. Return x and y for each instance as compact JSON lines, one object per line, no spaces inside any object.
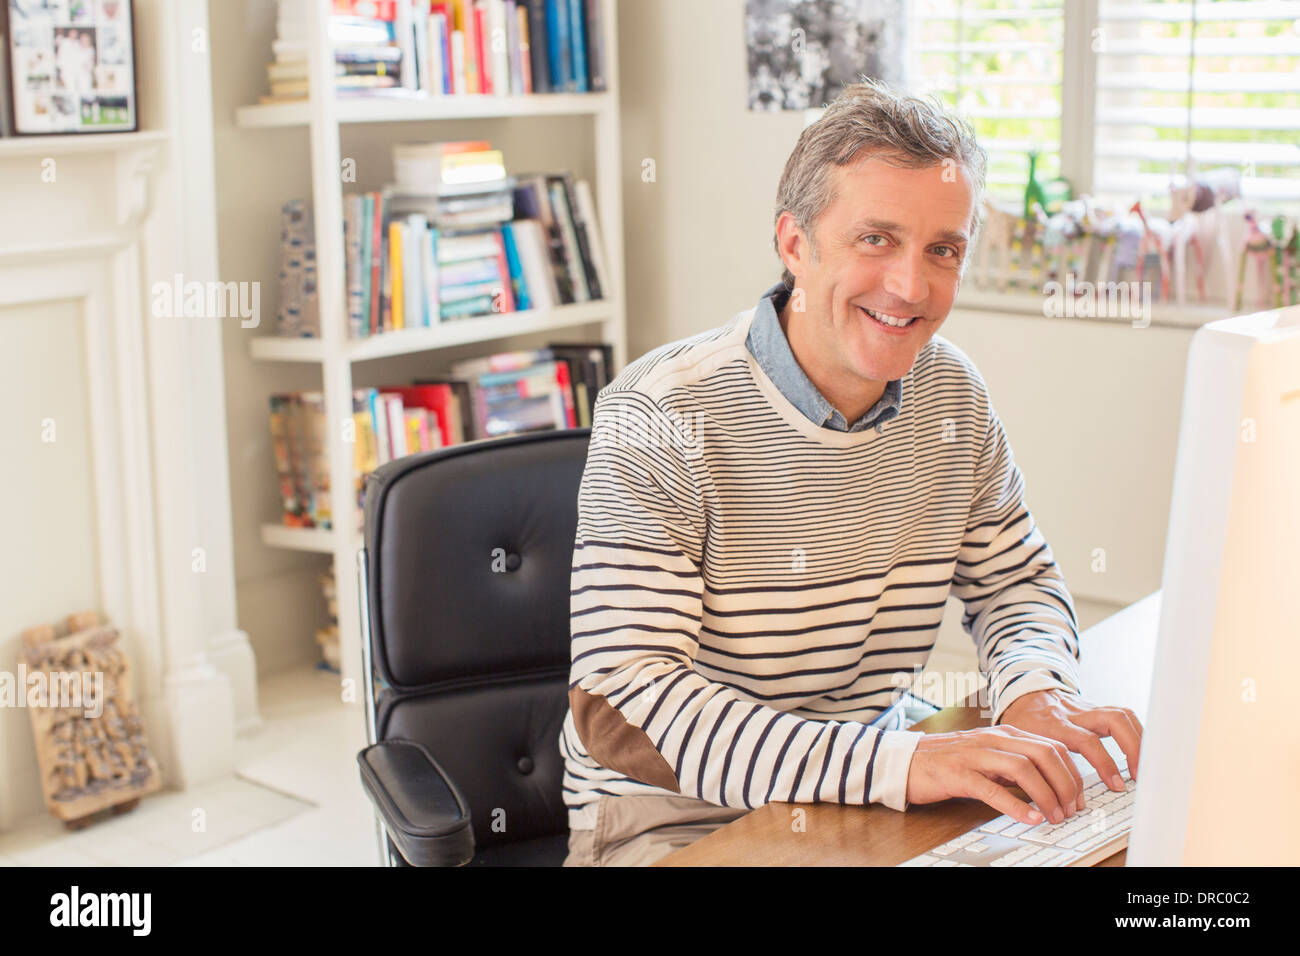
{"x":525,"y":765}
{"x":513,"y":561}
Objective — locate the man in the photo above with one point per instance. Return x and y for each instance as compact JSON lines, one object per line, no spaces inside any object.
{"x":774,"y":512}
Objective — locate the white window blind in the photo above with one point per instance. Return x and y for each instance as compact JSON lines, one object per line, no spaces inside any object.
{"x":999,"y":63}
{"x":1216,"y":82}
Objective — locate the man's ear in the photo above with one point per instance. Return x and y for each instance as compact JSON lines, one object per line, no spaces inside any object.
{"x":792,"y":245}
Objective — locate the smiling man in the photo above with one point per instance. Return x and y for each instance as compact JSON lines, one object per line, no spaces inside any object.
{"x":774,"y":513}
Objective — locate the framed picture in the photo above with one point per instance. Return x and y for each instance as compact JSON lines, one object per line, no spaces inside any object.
{"x":71,"y":66}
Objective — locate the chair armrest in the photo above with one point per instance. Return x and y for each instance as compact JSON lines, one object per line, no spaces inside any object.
{"x":423,"y":812}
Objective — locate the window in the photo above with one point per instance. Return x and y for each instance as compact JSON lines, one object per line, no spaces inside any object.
{"x":1000,"y":65}
{"x":1118,"y":95}
{"x":1217,"y":83}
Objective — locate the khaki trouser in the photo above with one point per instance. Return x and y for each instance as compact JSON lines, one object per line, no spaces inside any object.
{"x":637,"y":831}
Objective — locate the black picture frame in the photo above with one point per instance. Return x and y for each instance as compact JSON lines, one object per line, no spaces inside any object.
{"x":35,"y":33}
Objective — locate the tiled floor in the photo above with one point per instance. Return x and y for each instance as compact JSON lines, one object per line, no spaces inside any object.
{"x":296,"y":799}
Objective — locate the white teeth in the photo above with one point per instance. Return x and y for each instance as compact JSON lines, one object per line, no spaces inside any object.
{"x":886,"y":319}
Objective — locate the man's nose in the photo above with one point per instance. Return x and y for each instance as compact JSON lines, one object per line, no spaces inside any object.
{"x":905,"y":279}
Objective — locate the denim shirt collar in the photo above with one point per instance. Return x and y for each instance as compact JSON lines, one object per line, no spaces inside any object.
{"x":770,"y":348}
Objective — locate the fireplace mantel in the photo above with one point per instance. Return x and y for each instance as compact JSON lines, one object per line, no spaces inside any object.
{"x":97,"y":220}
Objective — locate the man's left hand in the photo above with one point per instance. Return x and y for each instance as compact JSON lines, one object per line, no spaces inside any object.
{"x":1080,"y":726}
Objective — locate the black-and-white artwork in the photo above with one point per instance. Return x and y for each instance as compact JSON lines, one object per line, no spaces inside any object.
{"x":803,"y":52}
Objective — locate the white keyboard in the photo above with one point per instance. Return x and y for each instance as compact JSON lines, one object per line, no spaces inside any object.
{"x":1092,"y":834}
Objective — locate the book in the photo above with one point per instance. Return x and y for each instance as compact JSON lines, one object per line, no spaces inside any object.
{"x":353,"y":210}
{"x":596,"y":245}
{"x":568,"y":240}
{"x":596,"y":67}
{"x":460,"y":409}
{"x":395,"y":262}
{"x":538,"y":46}
{"x":532,"y":201}
{"x":583,"y":244}
{"x":517,"y":281}
{"x":539,"y":279}
{"x":299,"y":308}
{"x":560,"y":52}
{"x":578,"y":45}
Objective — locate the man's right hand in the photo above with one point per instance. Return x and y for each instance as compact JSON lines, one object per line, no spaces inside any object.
{"x":980,"y":763}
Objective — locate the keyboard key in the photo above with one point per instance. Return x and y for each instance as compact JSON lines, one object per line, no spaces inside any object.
{"x":1101,"y":839}
{"x":1016,"y":830}
{"x":1074,"y":839}
{"x":946,"y":863}
{"x":924,"y":859}
{"x":977,"y":847}
{"x":946,"y":850}
{"x":997,"y":825}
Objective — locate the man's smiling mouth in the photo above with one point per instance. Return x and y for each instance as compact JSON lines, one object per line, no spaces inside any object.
{"x":892,"y":321}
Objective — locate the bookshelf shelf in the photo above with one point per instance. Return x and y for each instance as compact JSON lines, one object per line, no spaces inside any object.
{"x":384,"y":109}
{"x":273,"y":348}
{"x":320,"y":540}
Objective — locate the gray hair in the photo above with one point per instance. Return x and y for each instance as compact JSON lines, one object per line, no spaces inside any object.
{"x":900,"y":129}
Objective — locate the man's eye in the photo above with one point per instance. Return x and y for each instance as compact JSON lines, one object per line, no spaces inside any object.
{"x":952,"y":253}
{"x":874,"y":235}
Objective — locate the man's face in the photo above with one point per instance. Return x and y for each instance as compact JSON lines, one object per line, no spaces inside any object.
{"x":892,"y":241}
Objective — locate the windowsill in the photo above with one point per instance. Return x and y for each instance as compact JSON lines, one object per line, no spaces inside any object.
{"x":1163,"y":314}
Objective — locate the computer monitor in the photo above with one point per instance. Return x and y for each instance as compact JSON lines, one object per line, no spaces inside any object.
{"x":1220,"y":767}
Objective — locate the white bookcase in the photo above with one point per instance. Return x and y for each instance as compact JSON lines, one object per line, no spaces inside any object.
{"x":336,"y":352}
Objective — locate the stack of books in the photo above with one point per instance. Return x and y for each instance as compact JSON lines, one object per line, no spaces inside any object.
{"x":367,"y":55}
{"x":456,"y":237}
{"x":534,"y":390}
{"x":432,"y":48}
{"x":503,"y":394}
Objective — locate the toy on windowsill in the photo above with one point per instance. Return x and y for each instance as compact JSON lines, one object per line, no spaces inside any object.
{"x":1152,"y":248}
{"x":1286,"y":252}
{"x":1195,"y":209}
{"x":1277,"y":262}
{"x":993,"y":256}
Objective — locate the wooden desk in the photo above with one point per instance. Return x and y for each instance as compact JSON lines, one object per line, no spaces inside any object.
{"x":1116,"y":656}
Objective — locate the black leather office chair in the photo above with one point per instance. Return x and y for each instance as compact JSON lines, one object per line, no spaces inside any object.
{"x":465,"y":630}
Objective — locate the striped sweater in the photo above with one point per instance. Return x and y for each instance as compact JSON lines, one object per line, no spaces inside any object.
{"x":750,"y":589}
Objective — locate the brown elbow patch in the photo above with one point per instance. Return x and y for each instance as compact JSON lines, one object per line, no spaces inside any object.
{"x":618,"y":745}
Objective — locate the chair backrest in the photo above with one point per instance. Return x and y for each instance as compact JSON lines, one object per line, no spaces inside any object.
{"x":469,"y":551}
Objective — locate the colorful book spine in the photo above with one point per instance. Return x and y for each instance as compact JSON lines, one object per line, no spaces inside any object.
{"x":557,"y":33}
{"x":539,"y":46}
{"x":516,"y":270}
{"x":377,"y":264}
{"x":366,"y":229}
{"x":507,"y":296}
{"x":396,"y":290}
{"x":481,"y":47}
{"x":577,"y":46}
{"x":352,"y":229}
